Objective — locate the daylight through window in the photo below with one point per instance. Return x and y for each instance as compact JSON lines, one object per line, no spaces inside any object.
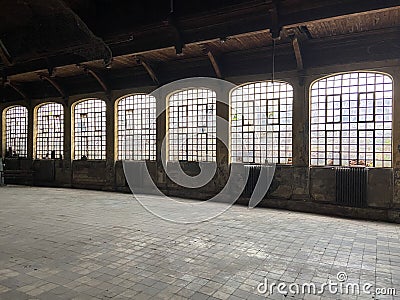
{"x":50,"y":131}
{"x":351,"y":120}
{"x":17,"y":131}
{"x":90,"y":129}
{"x":261,"y":119}
{"x":137,"y":127}
{"x":192,"y":125}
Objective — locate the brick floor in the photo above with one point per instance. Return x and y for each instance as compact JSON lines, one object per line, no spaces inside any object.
{"x":76,"y":244}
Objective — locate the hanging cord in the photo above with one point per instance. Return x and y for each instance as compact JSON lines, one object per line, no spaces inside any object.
{"x":273,"y":59}
{"x":172,"y":6}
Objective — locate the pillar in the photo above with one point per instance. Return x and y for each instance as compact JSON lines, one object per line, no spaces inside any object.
{"x":110,"y":143}
{"x":300,"y":124}
{"x":31,"y":139}
{"x":396,"y":137}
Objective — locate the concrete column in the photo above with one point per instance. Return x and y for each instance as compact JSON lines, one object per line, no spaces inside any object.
{"x":301,"y":139}
{"x":222,"y":153}
{"x":161,"y":131}
{"x":67,"y":134}
{"x":2,"y":146}
{"x":300,"y":124}
{"x":222,"y":150}
{"x":30,"y":147}
{"x":396,"y":137}
{"x":110,"y":143}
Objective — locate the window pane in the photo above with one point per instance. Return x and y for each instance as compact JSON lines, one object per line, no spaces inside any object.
{"x":50,"y":131}
{"x":192,"y":125}
{"x":353,"y":127}
{"x":137,"y":128}
{"x":261,"y":119}
{"x":17,"y":131}
{"x":90,"y":129}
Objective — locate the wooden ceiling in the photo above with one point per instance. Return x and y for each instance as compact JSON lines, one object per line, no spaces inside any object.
{"x":83,"y":46}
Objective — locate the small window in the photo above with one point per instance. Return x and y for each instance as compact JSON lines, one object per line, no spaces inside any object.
{"x":50,"y":131}
{"x":351,"y":120}
{"x":17,"y":131}
{"x":261,"y":129}
{"x":192,"y":125}
{"x":90,"y":129}
{"x":137,"y":128}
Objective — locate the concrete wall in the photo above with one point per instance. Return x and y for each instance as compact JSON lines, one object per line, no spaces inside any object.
{"x":296,"y":187}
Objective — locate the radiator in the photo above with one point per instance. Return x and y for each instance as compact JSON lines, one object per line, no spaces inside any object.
{"x":351,"y":186}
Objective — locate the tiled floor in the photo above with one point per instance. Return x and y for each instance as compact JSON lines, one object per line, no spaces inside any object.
{"x":63,"y":244}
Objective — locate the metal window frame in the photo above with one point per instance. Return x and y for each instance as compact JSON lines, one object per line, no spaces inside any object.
{"x":136,"y":139}
{"x":54,"y":138}
{"x":188,"y":101}
{"x":15,"y":132}
{"x":353,"y":127}
{"x":284,"y":104}
{"x":86,"y":141}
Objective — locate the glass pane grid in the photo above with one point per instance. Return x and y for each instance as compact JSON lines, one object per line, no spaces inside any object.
{"x":50,"y":131}
{"x":262,"y":123}
{"x":90,"y":130}
{"x":192,"y":125}
{"x":17,"y":131}
{"x":137,"y":128}
{"x":356,"y":131}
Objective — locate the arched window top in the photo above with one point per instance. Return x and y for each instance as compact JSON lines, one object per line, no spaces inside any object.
{"x":90,"y":129}
{"x":16,"y":118}
{"x":137,"y":127}
{"x":16,"y":109}
{"x":137,"y":99}
{"x":351,"y":119}
{"x":261,"y":122}
{"x":203,"y":93}
{"x":355,"y":78}
{"x":192,"y":125}
{"x":50,"y":131}
{"x":267,"y":87}
{"x":91,"y":103}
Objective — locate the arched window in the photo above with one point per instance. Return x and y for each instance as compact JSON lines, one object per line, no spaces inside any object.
{"x":90,"y":129}
{"x":261,"y":119}
{"x":192,"y":125}
{"x":351,"y":120}
{"x":50,"y":131}
{"x":137,"y":127}
{"x":17,"y":131}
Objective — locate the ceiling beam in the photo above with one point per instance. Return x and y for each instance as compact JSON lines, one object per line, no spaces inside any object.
{"x":208,"y":27}
{"x":140,"y":60}
{"x":214,"y":63}
{"x":15,"y":87}
{"x":179,"y":41}
{"x":54,"y":84}
{"x":5,"y":57}
{"x":95,"y":75}
{"x":297,"y":53}
{"x":275,"y":27}
{"x":297,"y":35}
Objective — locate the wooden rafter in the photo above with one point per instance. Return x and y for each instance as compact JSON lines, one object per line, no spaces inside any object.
{"x":214,"y":63}
{"x":15,"y":87}
{"x":297,"y":53}
{"x":95,"y":75}
{"x":5,"y":57}
{"x":54,"y":84}
{"x":148,"y":68}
